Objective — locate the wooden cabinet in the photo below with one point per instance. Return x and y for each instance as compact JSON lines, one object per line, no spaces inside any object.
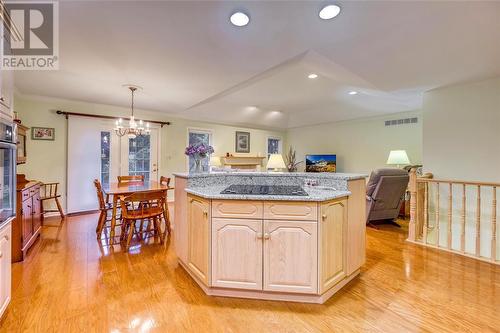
{"x":5,"y":266}
{"x":237,"y":253}
{"x":290,"y":256}
{"x":27,"y":224}
{"x":332,"y":253}
{"x":198,"y":237}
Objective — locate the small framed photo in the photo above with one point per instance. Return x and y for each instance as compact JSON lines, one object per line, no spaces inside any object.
{"x":43,"y":133}
{"x":242,"y":142}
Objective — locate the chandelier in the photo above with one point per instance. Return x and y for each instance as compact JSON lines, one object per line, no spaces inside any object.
{"x":135,"y":128}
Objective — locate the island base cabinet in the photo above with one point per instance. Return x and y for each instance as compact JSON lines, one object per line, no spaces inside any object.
{"x":199,"y":238}
{"x":237,"y":253}
{"x":332,"y":253}
{"x":290,"y":256}
{"x":5,"y":267}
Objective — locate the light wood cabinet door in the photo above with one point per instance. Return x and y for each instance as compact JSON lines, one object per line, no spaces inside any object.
{"x":5,"y":267}
{"x":332,"y":253}
{"x":199,"y":238}
{"x":237,"y":253}
{"x":237,"y":209}
{"x":286,"y":210}
{"x":290,"y":256}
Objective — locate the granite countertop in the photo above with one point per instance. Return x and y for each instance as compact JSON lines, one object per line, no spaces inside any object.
{"x":315,"y":194}
{"x":340,"y":176}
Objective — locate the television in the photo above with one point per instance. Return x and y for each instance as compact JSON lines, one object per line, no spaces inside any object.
{"x":321,"y":163}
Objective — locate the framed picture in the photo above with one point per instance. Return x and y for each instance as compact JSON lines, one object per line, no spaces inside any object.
{"x":242,"y":142}
{"x":43,"y":133}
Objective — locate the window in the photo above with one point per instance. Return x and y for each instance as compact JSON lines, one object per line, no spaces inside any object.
{"x":197,"y":136}
{"x":105,"y":149}
{"x":273,"y":146}
{"x":139,"y":156}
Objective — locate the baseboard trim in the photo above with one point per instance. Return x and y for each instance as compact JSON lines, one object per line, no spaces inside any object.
{"x":268,"y":295}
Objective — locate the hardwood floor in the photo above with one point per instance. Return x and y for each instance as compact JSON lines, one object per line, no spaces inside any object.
{"x":70,"y":284}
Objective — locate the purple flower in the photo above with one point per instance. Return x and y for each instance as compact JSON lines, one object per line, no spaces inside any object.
{"x":201,"y":150}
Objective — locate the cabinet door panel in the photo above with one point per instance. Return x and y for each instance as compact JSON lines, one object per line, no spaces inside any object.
{"x":36,"y":212}
{"x":198,"y":238}
{"x":282,"y":210}
{"x":290,"y":256}
{"x":237,"y":253}
{"x":27,"y":221}
{"x":5,"y":267}
{"x":237,"y":209}
{"x":332,"y":230}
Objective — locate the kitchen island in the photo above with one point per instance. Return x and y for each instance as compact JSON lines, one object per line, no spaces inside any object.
{"x":268,"y":236}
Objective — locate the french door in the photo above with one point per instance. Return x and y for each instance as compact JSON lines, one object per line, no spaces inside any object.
{"x":139,"y":156}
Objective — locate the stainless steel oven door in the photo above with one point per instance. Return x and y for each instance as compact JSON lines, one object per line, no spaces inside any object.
{"x":7,"y":181}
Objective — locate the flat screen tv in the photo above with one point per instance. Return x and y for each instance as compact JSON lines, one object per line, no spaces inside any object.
{"x":321,"y":163}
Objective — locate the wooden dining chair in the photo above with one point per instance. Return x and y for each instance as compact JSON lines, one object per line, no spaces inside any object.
{"x":143,"y":206}
{"x":105,"y":209}
{"x":130,"y":179}
{"x":48,"y":191}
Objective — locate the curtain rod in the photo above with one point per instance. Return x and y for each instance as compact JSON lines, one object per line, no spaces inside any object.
{"x":67,"y":114}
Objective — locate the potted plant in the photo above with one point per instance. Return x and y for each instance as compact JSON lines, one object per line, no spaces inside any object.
{"x":291,"y":160}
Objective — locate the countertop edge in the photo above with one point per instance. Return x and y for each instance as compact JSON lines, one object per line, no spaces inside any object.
{"x":340,"y":176}
{"x":325,"y":197}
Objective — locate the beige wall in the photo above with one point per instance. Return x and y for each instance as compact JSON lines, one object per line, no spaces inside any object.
{"x":47,"y":159}
{"x":361,"y":145}
{"x":462,"y":131}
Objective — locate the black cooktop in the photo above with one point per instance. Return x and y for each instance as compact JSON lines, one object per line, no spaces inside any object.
{"x":265,"y":190}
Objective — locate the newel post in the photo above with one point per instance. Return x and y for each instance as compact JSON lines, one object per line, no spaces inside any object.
{"x":413,"y":205}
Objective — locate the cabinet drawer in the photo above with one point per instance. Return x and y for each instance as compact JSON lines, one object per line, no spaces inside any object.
{"x":237,"y":209}
{"x":298,"y":211}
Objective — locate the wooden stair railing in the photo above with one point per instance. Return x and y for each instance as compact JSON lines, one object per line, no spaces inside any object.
{"x":421,"y":202}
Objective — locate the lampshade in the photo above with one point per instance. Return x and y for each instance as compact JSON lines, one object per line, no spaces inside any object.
{"x":276,"y":162}
{"x":215,"y":161}
{"x":398,"y":157}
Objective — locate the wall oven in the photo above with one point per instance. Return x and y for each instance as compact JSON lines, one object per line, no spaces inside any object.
{"x":7,"y":171}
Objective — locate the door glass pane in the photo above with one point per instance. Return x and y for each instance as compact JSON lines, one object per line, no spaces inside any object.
{"x":198,"y":138}
{"x":139,"y":152}
{"x":7,"y":189}
{"x":105,"y":149}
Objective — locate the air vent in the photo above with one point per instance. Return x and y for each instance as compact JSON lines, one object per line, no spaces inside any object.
{"x":404,"y":121}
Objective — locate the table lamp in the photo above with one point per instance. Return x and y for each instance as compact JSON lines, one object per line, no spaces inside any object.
{"x":398,"y":157}
{"x":276,"y":162}
{"x":215,"y":162}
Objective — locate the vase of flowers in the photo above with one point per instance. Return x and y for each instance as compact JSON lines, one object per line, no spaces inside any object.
{"x":198,"y":152}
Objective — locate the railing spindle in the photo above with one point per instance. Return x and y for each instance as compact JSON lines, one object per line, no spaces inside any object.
{"x":462,"y":227}
{"x":437,"y":214}
{"x":494,"y":226}
{"x":478,"y":222}
{"x":412,"y":228}
{"x":426,"y":217}
{"x":450,"y":214}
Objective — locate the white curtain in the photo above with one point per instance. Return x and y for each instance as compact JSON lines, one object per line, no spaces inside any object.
{"x":84,"y":161}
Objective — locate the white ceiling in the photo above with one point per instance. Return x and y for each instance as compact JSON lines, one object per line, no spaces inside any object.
{"x":192,"y":63}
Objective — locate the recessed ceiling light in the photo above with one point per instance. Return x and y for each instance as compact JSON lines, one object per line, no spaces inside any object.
{"x":312,"y":76}
{"x":239,"y":19}
{"x":353,"y":92}
{"x":329,"y":12}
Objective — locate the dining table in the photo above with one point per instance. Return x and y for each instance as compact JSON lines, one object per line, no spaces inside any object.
{"x":116,"y":190}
